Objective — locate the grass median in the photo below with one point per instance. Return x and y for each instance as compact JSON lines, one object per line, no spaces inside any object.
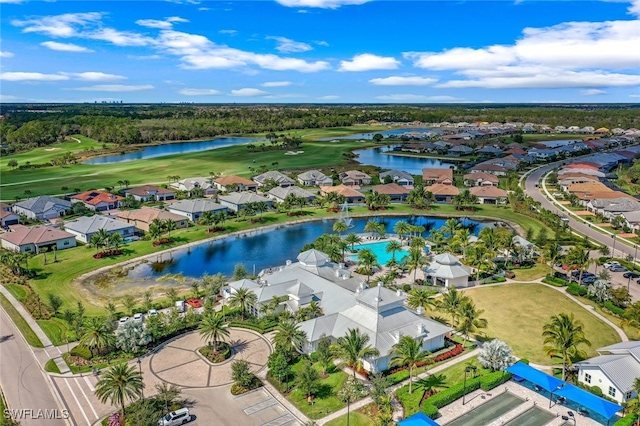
{"x":19,"y":321}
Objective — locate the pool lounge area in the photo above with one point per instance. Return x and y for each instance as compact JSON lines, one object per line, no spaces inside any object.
{"x":379,"y":249}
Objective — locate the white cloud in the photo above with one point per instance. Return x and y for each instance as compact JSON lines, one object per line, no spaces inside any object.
{"x":5,"y":54}
{"x":329,"y":97}
{"x":120,"y":38}
{"x":403,"y":81}
{"x":64,"y":47}
{"x":276,"y":84}
{"x":635,"y":95}
{"x":321,"y":43}
{"x":324,"y":4}
{"x":144,"y":57}
{"x":95,"y":76}
{"x":248,"y":92}
{"x":593,"y":92}
{"x":164,"y":25}
{"x":367,"y":62}
{"x":286,"y":96}
{"x":634,"y":9}
{"x":8,"y":98}
{"x":409,"y":97}
{"x":228,"y":32}
{"x":58,"y":26}
{"x":198,"y":52}
{"x":31,"y":76}
{"x":114,"y":88}
{"x":286,"y":45}
{"x":11,"y":1}
{"x":198,"y":92}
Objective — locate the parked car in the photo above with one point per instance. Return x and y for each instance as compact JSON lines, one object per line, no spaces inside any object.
{"x":194,"y":303}
{"x":152,"y":313}
{"x":137,"y":317}
{"x":178,"y":417}
{"x":630,"y":274}
{"x":179,"y":305}
{"x":618,"y":268}
{"x":589,"y":280}
{"x":608,"y":265}
{"x":123,"y":320}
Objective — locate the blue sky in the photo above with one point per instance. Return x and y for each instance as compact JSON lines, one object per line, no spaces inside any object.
{"x":316,"y":51}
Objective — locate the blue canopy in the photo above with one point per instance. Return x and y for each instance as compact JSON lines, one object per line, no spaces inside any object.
{"x":544,"y":380}
{"x":593,"y":402}
{"x":418,"y":419}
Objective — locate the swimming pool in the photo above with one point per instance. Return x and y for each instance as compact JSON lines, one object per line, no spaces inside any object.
{"x":534,"y":416}
{"x":489,"y":411}
{"x":380,"y":251}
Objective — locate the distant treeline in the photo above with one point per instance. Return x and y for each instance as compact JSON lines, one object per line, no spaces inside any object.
{"x":27,"y":126}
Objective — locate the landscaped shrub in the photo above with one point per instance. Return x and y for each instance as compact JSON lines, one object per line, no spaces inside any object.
{"x":577,"y":290}
{"x":628,"y":420}
{"x":596,"y":390}
{"x":430,"y":410}
{"x":223,"y":352}
{"x":456,"y":391}
{"x":398,"y":377}
{"x":491,"y":380}
{"x":613,"y":308}
{"x":555,"y":281}
{"x":81,"y":351}
{"x":410,"y":401}
{"x":406,"y":288}
{"x":524,"y":361}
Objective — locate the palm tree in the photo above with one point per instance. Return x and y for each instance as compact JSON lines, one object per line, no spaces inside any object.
{"x":393,"y":247}
{"x":214,"y":329}
{"x":579,"y":258}
{"x":371,"y":226}
{"x":207,"y":219}
{"x":562,"y":336}
{"x":97,"y":335}
{"x":551,"y":252}
{"x":314,"y":310}
{"x":289,"y":336}
{"x":463,"y":235}
{"x":414,"y":260}
{"x":408,"y":351}
{"x":432,"y":382}
{"x":480,"y":258}
{"x":451,"y":226}
{"x":155,"y":232}
{"x":437,"y":238}
{"x":242,"y":298}
{"x":261,"y":207}
{"x":352,"y":348}
{"x":420,"y":298}
{"x":451,"y":302}
{"x":119,"y":384}
{"x":169,"y":225}
{"x":401,"y":228}
{"x":115,"y":240}
{"x":367,"y":261}
{"x":470,"y":320}
{"x":353,"y":239}
{"x":340,"y":227}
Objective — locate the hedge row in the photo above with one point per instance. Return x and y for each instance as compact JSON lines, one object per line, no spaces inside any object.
{"x":577,"y":290}
{"x":259,"y":329}
{"x":613,"y":308}
{"x":628,"y":420}
{"x":555,"y":281}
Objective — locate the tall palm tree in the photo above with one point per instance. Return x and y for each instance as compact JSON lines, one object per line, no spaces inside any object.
{"x":340,"y":226}
{"x":469,"y":319}
{"x":214,"y":329}
{"x":408,"y":351}
{"x":479,"y":257}
{"x":414,"y":261}
{"x":170,"y":225}
{"x":420,"y":298}
{"x":367,"y":261}
{"x":393,"y":247}
{"x":437,"y":238}
{"x":401,"y":228}
{"x":207,"y":219}
{"x":371,"y":226}
{"x":97,"y":335}
{"x":115,"y":240}
{"x":550,"y":253}
{"x":353,"y":239}
{"x":289,"y":336}
{"x":578,"y":258}
{"x":155,"y":232}
{"x":451,"y":226}
{"x":462,"y":236}
{"x":119,"y":384}
{"x":450,"y":303}
{"x":489,"y":237}
{"x":352,"y":348}
{"x":562,"y":336}
{"x":242,"y":298}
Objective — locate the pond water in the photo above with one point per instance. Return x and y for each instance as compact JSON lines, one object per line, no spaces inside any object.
{"x":414,"y":165}
{"x":266,"y":248}
{"x":385,"y":133}
{"x":172,"y":148}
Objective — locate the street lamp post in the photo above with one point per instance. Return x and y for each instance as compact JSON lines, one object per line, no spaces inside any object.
{"x":467,"y":369}
{"x":139,"y":361}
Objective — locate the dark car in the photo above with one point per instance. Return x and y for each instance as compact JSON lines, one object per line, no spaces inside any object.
{"x":589,"y":280}
{"x":630,"y":274}
{"x":618,"y":268}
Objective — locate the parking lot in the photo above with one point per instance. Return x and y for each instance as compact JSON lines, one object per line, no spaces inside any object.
{"x":618,"y":280}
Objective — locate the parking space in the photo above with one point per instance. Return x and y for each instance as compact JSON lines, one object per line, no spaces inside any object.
{"x":618,"y":280}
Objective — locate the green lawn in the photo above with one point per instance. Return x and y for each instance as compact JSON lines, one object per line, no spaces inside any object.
{"x":20,"y":292}
{"x":325,"y":401}
{"x":57,"y":330}
{"x":355,"y":419}
{"x":51,"y":367}
{"x":517,"y":312}
{"x":633,"y":333}
{"x":538,"y":270}
{"x":20,"y":322}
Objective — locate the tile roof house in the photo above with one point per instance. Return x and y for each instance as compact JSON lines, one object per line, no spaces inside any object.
{"x":355,"y":178}
{"x":632,"y":219}
{"x":143,"y":217}
{"x":8,"y":218}
{"x":489,"y":151}
{"x":613,"y":371}
{"x":314,"y":178}
{"x":189,"y":184}
{"x":350,"y":194}
{"x":395,"y":191}
{"x":236,"y":201}
{"x":85,"y":227}
{"x":489,"y":194}
{"x":459,"y":150}
{"x":42,"y":207}
{"x":397,"y":176}
{"x":150,"y":193}
{"x":610,"y":207}
{"x":280,"y":178}
{"x":480,"y":179}
{"x":437,"y":176}
{"x":443,"y":193}
{"x":34,"y":239}
{"x":227,"y":183}
{"x":98,"y":200}
{"x":279,"y":193}
{"x":193,"y":209}
{"x":490,"y":168}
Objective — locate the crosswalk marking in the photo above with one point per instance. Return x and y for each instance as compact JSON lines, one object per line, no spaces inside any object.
{"x":87,"y":398}
{"x":77,"y":402}
{"x":91,"y":388}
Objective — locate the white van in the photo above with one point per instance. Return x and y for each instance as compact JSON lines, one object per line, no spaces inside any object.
{"x":180,"y":305}
{"x":178,"y":417}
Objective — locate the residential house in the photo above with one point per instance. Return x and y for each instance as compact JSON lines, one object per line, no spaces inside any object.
{"x":397,"y":176}
{"x":614,"y":370}
{"x":459,"y":151}
{"x":447,"y":270}
{"x":98,"y":200}
{"x":150,"y":193}
{"x":489,"y":194}
{"x":35,"y":239}
{"x":85,"y":227}
{"x":611,"y":207}
{"x":279,"y":178}
{"x":493,"y":169}
{"x":189,"y":184}
{"x":480,"y":179}
{"x":351,"y":195}
{"x":235,"y":183}
{"x":314,"y":178}
{"x":444,"y":193}
{"x":396,"y":192}
{"x":236,"y":201}
{"x":437,"y":176}
{"x":279,"y":194}
{"x":143,"y":217}
{"x":42,"y":207}
{"x":7,"y":217}
{"x":632,"y":220}
{"x":489,"y":151}
{"x":567,"y":179}
{"x":355,"y":178}
{"x":193,"y":209}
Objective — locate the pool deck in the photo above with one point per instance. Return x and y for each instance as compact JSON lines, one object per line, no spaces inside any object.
{"x":531,"y":398}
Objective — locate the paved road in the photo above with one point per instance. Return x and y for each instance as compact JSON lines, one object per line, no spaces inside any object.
{"x":621,"y":249}
{"x":24,"y":384}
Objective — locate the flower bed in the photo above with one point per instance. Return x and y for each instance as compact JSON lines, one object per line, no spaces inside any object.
{"x":107,"y":253}
{"x":162,"y":241}
{"x":223,"y":353}
{"x":457,"y":349}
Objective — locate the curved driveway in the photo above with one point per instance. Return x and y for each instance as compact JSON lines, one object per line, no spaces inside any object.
{"x":622,"y":249}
